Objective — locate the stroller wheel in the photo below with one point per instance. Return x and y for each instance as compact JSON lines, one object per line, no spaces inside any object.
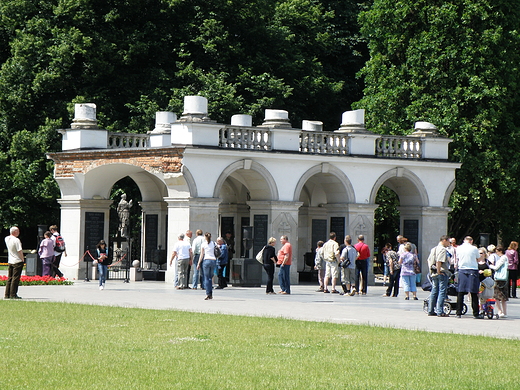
{"x":446,"y":308}
{"x":464,"y":308}
{"x":497,"y":316}
{"x":490,"y":314}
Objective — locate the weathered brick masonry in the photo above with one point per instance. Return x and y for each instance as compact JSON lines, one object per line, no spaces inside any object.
{"x":165,"y":160}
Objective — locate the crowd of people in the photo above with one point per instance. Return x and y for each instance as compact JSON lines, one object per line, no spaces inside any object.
{"x":50,"y":251}
{"x":478,"y":273}
{"x":207,"y":259}
{"x":202,"y":259}
{"x":474,"y":271}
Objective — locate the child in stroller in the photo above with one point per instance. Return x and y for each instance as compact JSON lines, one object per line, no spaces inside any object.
{"x":449,"y":305}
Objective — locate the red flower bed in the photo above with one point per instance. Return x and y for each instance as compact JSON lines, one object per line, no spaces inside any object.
{"x":37,"y":280}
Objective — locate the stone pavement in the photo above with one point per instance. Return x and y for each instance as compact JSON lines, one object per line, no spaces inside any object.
{"x":303,"y":304}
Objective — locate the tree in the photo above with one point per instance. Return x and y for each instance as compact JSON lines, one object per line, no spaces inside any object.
{"x":453,"y":63}
{"x":136,"y":57}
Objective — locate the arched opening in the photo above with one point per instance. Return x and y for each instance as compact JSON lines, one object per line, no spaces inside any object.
{"x":386,"y":223}
{"x":127,"y":186}
{"x":325,"y":193}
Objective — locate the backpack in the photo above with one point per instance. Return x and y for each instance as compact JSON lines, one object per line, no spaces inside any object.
{"x":217,"y":251}
{"x":59,"y":245}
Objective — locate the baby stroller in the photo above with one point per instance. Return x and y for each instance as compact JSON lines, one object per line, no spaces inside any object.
{"x":449,"y":305}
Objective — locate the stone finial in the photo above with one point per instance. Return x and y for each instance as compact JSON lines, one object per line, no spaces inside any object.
{"x":425,"y":129}
{"x":195,"y":109}
{"x":312,"y":125}
{"x":276,"y":118}
{"x":163,"y":122}
{"x":242,"y":120}
{"x":353,"y":121}
{"x":84,"y":116}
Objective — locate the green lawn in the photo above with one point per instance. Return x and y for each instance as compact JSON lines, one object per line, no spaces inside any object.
{"x":69,"y":346}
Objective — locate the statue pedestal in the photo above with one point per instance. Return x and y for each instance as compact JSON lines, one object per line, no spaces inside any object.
{"x":136,"y":275}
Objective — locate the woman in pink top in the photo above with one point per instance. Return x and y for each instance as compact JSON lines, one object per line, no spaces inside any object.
{"x":46,"y":253}
{"x":512,"y":257}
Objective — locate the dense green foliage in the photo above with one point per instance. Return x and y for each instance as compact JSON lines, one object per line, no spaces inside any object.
{"x":136,"y":57}
{"x":92,"y":347}
{"x":453,"y":63}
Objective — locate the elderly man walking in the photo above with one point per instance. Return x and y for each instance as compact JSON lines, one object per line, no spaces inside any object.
{"x":15,"y":260}
{"x":182,"y":251}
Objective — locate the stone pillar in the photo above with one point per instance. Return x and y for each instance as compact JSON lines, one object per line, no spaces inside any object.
{"x":361,"y":221}
{"x":73,"y":229}
{"x":282,"y":220}
{"x":433,"y":223}
{"x":84,"y":132}
{"x":193,"y":214}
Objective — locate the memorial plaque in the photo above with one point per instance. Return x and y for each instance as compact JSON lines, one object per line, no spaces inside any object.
{"x":411,"y":230}
{"x":337,"y":225}
{"x":227,"y":224}
{"x":151,"y":235}
{"x":319,"y":232}
{"x":94,"y":231}
{"x":259,"y":233}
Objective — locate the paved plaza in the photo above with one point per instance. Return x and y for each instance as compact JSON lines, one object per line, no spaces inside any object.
{"x":303,"y":304}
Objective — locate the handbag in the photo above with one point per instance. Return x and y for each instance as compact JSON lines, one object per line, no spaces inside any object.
{"x":260,"y":256}
{"x":217,"y":251}
{"x":345,"y":263}
{"x":416,"y":266}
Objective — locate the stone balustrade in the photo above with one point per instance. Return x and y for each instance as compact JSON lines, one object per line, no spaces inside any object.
{"x":275,"y":133}
{"x":320,"y":142}
{"x":399,"y":147}
{"x":245,"y":138}
{"x":128,"y":141}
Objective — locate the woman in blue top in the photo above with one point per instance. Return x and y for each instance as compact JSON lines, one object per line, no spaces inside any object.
{"x":222,"y":264}
{"x":103,"y":262}
{"x":406,"y":260}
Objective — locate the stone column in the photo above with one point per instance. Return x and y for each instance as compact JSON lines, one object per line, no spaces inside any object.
{"x":72,"y":229}
{"x":193,"y":214}
{"x":282,"y":220}
{"x":433,"y":223}
{"x":361,"y":221}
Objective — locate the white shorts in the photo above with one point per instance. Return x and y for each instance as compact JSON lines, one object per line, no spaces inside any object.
{"x":331,"y":269}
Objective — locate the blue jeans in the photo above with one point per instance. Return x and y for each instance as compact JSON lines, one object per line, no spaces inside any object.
{"x":438,"y":294}
{"x":103,"y":273}
{"x":209,"y":266}
{"x":196,"y":273}
{"x":285,"y":279}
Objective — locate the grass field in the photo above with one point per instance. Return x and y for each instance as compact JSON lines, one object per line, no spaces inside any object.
{"x":70,"y":346}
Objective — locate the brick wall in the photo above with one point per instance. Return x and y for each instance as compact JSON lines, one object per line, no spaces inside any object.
{"x":165,"y":160}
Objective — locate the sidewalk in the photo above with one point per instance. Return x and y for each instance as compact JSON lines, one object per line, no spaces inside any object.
{"x":303,"y":304}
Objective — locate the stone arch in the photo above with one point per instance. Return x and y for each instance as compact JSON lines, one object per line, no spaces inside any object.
{"x":414,"y":195}
{"x":449,"y":191}
{"x":249,"y":173}
{"x":98,"y":181}
{"x":325,"y":168}
{"x":190,"y":181}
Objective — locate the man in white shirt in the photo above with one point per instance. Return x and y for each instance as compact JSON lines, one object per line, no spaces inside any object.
{"x":182,"y":251}
{"x":15,"y":260}
{"x":469,"y":282}
{"x":195,"y":247}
